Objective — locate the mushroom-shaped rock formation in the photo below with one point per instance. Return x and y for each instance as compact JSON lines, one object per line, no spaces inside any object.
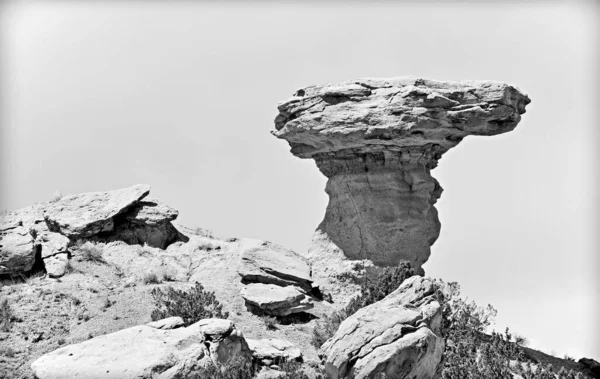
{"x":377,"y":141}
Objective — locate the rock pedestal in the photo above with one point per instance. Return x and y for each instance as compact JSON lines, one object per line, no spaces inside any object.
{"x":377,"y":141}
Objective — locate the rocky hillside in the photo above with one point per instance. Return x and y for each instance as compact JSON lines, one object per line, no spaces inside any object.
{"x":106,"y":285}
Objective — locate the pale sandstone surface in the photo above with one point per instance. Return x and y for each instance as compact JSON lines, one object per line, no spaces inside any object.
{"x":17,"y":250}
{"x":146,"y":352}
{"x":275,"y":300}
{"x":274,"y":264}
{"x":377,"y":141}
{"x":167,"y":323}
{"x":87,"y":214}
{"x":49,"y":228}
{"x":398,"y":336}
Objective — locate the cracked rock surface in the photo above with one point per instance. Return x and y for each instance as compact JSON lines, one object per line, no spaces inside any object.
{"x":274,"y":264}
{"x":377,"y":140}
{"x":145,"y":351}
{"x":398,"y":336}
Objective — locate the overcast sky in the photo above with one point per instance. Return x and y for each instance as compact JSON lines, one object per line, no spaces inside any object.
{"x":103,"y":95}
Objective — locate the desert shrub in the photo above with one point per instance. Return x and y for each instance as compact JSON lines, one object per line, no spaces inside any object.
{"x":192,"y":305}
{"x":169,"y":274}
{"x":236,"y":368}
{"x":151,"y":278}
{"x":470,"y":353}
{"x":371,"y":291}
{"x":6,"y":315}
{"x":89,"y":252}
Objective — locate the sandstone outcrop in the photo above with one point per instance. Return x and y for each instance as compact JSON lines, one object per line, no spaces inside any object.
{"x":274,"y":351}
{"x":398,"y":336}
{"x":17,"y":251}
{"x":143,"y":352}
{"x":276,"y":280}
{"x":275,"y":300}
{"x":45,"y":231}
{"x":377,"y":140}
{"x":274,"y":264}
{"x":88,"y":214}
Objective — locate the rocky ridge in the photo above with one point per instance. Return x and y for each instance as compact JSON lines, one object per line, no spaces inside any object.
{"x":44,"y":232}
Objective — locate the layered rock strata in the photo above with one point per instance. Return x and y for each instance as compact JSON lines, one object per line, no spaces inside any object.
{"x":276,"y":280}
{"x":45,"y":231}
{"x":377,"y":141}
{"x":398,"y":336}
{"x":275,"y":300}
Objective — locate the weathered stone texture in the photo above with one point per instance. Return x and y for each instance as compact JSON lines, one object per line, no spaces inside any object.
{"x":398,"y":336}
{"x":377,"y":140}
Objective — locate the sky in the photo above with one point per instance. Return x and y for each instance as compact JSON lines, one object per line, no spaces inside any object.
{"x":182,"y":96}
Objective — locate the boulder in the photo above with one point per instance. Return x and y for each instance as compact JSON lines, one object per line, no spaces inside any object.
{"x":376,"y":140}
{"x":275,"y":300}
{"x":17,"y":248}
{"x":274,"y":264}
{"x":223,"y":340}
{"x":84,"y":215}
{"x":274,"y":350}
{"x":51,"y":243}
{"x":57,"y":265}
{"x":143,"y":352}
{"x":398,"y":336}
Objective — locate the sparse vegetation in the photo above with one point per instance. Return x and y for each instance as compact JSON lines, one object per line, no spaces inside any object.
{"x":90,"y":252}
{"x":6,"y":315}
{"x":192,"y":305}
{"x":371,"y":291}
{"x":143,"y":250}
{"x":236,"y":368}
{"x":57,"y":196}
{"x":204,"y":233}
{"x":8,"y":352}
{"x":151,"y":278}
{"x":168,"y":274}
{"x":270,"y":322}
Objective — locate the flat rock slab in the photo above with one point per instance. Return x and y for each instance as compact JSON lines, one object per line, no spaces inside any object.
{"x":398,"y":336}
{"x":275,"y":350}
{"x":276,"y":300}
{"x":167,"y":323}
{"x":143,"y":352}
{"x":274,"y":264}
{"x":87,"y":214}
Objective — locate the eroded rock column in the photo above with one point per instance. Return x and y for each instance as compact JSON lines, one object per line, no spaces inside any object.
{"x":377,"y":141}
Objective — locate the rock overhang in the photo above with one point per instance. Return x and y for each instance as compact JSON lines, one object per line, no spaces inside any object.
{"x":375,"y":115}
